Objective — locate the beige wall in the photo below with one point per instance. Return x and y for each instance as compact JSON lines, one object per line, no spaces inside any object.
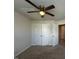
{"x":22,"y":32}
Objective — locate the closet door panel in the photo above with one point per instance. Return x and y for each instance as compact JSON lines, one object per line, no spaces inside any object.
{"x":36,"y":34}
{"x":46,"y":34}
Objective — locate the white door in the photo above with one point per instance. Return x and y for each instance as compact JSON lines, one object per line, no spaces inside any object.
{"x":36,"y":34}
{"x":41,"y":34}
{"x":46,"y":34}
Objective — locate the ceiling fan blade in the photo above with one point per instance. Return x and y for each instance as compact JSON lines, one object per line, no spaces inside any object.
{"x":50,"y":7}
{"x":49,"y":14}
{"x":32,"y":11}
{"x":32,"y":4}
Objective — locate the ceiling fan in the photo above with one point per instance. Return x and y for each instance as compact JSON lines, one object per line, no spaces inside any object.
{"x":41,"y":9}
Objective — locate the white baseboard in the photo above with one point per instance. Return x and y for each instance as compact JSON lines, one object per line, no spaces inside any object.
{"x":22,"y":51}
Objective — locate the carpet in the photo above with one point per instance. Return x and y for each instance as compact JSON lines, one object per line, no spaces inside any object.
{"x":43,"y":52}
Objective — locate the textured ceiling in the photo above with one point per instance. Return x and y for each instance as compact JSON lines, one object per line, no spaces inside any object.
{"x":22,"y":6}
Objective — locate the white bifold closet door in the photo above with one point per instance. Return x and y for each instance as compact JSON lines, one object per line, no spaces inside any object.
{"x":41,"y":34}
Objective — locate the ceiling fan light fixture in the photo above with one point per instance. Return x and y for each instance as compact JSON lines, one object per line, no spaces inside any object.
{"x":42,"y":13}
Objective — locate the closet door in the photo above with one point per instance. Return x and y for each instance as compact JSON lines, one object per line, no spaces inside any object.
{"x":36,"y":34}
{"x":46,"y":34}
{"x":41,"y":34}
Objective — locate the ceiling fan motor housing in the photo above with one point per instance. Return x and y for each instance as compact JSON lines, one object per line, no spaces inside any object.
{"x":42,"y":8}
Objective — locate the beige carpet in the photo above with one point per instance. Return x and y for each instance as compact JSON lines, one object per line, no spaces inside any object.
{"x":45,"y":52}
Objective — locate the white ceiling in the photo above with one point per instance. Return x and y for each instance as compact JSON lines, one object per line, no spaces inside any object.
{"x":22,"y":6}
